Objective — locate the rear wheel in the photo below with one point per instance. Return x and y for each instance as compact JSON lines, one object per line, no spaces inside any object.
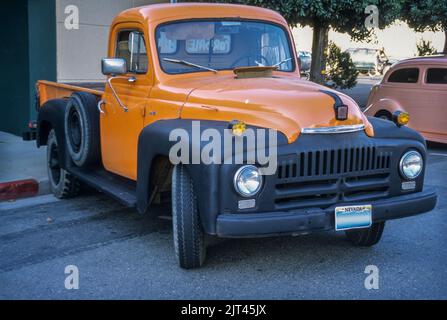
{"x":366,"y":237}
{"x":189,"y":238}
{"x":62,"y":183}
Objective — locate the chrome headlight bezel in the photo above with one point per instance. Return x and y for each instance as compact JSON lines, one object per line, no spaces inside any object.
{"x":241,"y":171}
{"x":404,"y":158}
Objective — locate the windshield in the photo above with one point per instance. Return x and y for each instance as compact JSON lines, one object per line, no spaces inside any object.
{"x":222,"y":45}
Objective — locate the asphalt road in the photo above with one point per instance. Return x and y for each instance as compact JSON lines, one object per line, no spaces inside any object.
{"x":120,"y":254}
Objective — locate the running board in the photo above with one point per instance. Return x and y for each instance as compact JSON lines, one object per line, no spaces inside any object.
{"x":119,"y":188}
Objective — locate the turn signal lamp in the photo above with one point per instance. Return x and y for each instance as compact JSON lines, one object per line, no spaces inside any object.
{"x":401,"y":118}
{"x":237,"y":127}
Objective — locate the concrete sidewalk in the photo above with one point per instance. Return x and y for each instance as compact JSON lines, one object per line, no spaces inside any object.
{"x":21,"y":160}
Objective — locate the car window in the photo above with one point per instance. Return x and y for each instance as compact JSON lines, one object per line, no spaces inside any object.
{"x":407,"y":75}
{"x":437,"y":75}
{"x":223,"y":44}
{"x":132,"y":48}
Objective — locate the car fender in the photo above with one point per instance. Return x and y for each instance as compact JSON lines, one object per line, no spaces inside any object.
{"x":154,"y":141}
{"x":387,"y":104}
{"x":51,"y":116}
{"x":388,"y":129}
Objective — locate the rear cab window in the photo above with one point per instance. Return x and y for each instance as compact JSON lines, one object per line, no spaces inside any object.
{"x":436,"y":76}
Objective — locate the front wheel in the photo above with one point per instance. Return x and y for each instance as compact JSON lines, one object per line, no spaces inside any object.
{"x":383,"y":114}
{"x":366,"y":237}
{"x":189,"y":238}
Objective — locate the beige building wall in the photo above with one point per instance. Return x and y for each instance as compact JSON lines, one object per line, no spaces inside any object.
{"x":398,"y":40}
{"x":79,"y":51}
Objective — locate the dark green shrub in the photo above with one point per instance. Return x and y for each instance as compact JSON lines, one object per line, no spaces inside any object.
{"x":340,"y":72}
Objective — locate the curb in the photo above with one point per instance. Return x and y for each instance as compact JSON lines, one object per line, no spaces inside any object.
{"x":44,"y":187}
{"x":19,"y":189}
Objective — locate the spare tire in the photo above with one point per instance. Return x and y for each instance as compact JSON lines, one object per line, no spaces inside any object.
{"x":81,"y":124}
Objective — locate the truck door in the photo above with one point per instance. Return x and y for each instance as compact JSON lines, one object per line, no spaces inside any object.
{"x":122,"y":121}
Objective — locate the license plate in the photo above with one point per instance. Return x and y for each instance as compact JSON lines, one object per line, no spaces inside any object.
{"x":353,"y":217}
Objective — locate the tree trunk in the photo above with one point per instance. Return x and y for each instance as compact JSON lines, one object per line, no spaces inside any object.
{"x":320,"y":42}
{"x":445,"y":42}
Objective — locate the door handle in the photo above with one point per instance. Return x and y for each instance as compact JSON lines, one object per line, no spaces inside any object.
{"x":100,"y":103}
{"x":152,"y":113}
{"x":109,"y":81}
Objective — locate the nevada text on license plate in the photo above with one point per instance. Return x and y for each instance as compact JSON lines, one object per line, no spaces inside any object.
{"x":353,"y":217}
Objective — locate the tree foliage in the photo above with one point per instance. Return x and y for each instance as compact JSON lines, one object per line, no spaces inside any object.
{"x":346,"y":16}
{"x":425,"y":48}
{"x":423,"y":15}
{"x":340,"y":70}
{"x":426,"y":15}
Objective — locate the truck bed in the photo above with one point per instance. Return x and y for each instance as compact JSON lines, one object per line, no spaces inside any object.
{"x":97,"y":86}
{"x":48,"y":90}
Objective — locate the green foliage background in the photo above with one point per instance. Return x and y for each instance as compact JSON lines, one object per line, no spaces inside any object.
{"x":425,"y":48}
{"x":423,"y":15}
{"x":340,"y":69}
{"x":347,"y":16}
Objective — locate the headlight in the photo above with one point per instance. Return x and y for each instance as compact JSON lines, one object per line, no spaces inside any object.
{"x":411,"y":165}
{"x":248,"y":181}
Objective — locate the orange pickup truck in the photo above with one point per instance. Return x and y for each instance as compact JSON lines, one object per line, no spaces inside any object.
{"x":199,"y":74}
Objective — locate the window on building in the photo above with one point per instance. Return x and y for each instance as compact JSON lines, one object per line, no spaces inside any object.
{"x":132,"y":48}
{"x":407,"y":75}
{"x":437,"y":75}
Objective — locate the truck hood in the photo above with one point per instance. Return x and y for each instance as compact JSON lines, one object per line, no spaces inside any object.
{"x":286,"y":104}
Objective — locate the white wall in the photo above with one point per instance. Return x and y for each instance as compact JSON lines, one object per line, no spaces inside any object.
{"x":79,"y":52}
{"x":398,"y":40}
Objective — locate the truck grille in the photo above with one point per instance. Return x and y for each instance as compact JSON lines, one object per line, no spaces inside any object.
{"x":325,"y":177}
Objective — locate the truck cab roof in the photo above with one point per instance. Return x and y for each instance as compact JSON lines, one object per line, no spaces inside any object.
{"x":157,"y":13}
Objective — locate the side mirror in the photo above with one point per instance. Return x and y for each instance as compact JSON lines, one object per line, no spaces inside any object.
{"x":113,"y":66}
{"x":299,"y":62}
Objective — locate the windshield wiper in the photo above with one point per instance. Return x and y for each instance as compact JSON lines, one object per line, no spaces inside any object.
{"x":281,"y":62}
{"x":190,"y":64}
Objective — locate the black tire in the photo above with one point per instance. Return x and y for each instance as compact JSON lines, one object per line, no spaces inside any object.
{"x":383,"y":114}
{"x":189,"y":238}
{"x":81,"y":124}
{"x":366,"y":237}
{"x":62,"y":184}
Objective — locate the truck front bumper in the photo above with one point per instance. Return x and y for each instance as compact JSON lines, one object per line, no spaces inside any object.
{"x":314,"y":219}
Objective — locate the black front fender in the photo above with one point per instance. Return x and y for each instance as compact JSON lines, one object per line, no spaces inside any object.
{"x":154,"y":141}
